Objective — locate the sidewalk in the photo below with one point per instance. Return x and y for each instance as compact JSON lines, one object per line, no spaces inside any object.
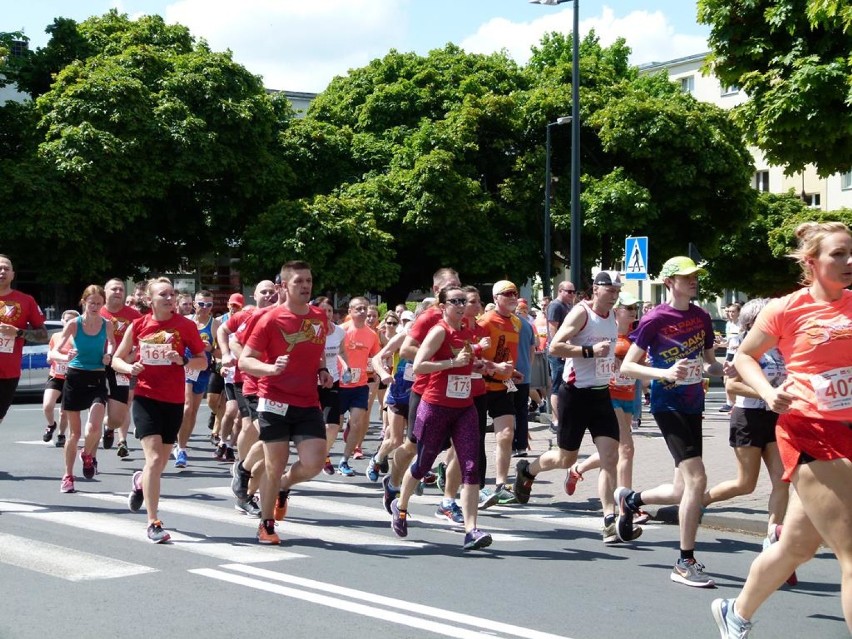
{"x":653,"y":465}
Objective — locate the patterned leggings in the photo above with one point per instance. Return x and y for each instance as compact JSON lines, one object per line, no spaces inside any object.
{"x":435,"y":426}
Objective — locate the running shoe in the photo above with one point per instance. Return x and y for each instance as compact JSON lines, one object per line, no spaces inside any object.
{"x":730,"y":624}
{"x":219,"y":453}
{"x":280,"y":511}
{"x":122,"y":450}
{"x":109,"y":437}
{"x":399,"y":520}
{"x":328,"y":468}
{"x":239,"y":481}
{"x":156,"y":533}
{"x":476,"y":539}
{"x":725,"y":408}
{"x":373,"y":470}
{"x":487,"y":498}
{"x":571,"y":479}
{"x":641,"y":517}
{"x":691,"y":573}
{"x":624,"y":521}
{"x":441,"y":476}
{"x":357,"y":453}
{"x":266,"y":533}
{"x":344,"y":469}
{"x":610,"y":534}
{"x":180,"y":459}
{"x":135,"y":498}
{"x":230,"y":456}
{"x":389,"y":493}
{"x":505,"y":496}
{"x":88,"y":465}
{"x":523,"y":481}
{"x":452,"y":513}
{"x":431,"y":479}
{"x":48,"y":433}
{"x":773,"y":537}
{"x":60,"y":441}
{"x":384,"y":466}
{"x":519,"y":452}
{"x":67,"y":484}
{"x":248,"y":507}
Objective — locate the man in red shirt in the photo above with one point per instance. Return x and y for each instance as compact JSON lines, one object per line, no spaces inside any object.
{"x":20,"y":320}
{"x":291,"y":338}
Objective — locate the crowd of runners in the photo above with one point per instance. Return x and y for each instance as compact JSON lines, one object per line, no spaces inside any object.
{"x":284,"y":376}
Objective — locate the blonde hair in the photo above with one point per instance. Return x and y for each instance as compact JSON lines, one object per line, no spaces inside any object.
{"x":810,"y":236}
{"x":155,"y":280}
{"x":92,"y":289}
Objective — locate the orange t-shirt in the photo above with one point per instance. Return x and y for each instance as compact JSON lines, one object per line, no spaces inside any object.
{"x":505,"y":333}
{"x":621,"y":387}
{"x":815,"y":339}
{"x":360,"y":345}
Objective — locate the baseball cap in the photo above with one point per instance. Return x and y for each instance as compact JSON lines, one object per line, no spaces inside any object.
{"x":680,"y":265}
{"x":503,"y":286}
{"x":406,"y":316}
{"x":627,"y":299}
{"x":608,"y":278}
{"x":236,"y":298}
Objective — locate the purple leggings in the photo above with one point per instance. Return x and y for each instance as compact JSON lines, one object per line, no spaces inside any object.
{"x":434,"y":426}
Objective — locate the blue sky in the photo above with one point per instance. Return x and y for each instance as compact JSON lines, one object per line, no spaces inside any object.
{"x":300,"y":45}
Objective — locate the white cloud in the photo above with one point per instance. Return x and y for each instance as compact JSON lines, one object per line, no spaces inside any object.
{"x":649,"y":35}
{"x":296,"y":45}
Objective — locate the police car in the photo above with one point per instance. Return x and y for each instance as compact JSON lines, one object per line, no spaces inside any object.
{"x":34,"y":364}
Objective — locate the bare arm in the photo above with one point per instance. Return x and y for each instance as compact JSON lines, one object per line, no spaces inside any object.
{"x":120,"y":360}
{"x":746,"y":360}
{"x":430,"y":346}
{"x":379,"y":358}
{"x":251,"y":363}
{"x":409,"y":347}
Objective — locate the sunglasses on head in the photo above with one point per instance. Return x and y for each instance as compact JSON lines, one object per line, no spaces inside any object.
{"x":457,"y":301}
{"x":205,"y":304}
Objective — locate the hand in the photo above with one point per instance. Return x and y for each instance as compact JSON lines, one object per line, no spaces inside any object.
{"x":387,"y":380}
{"x":8,"y":330}
{"x":280,"y":364}
{"x":325,"y":379}
{"x":137,"y":368}
{"x":729,"y":369}
{"x":228,"y":360}
{"x":677,"y":371}
{"x":485,"y":343}
{"x":778,"y":400}
{"x":504,"y":369}
{"x":72,"y":353}
{"x":462,"y":359}
{"x":601,"y":349}
{"x":174,"y":357}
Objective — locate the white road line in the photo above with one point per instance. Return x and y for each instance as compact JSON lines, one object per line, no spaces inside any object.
{"x":18,"y":507}
{"x":383,"y":614}
{"x":36,"y":442}
{"x":117,"y":527}
{"x":287,"y":529}
{"x":65,"y":563}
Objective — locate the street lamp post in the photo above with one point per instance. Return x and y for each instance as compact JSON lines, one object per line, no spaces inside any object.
{"x":576,"y":213}
{"x":547,"y":275}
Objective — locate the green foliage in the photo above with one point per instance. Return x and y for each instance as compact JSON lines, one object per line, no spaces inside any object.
{"x":794,"y":60}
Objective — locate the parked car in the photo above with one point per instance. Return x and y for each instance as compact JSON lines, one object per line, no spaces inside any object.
{"x":34,"y":364}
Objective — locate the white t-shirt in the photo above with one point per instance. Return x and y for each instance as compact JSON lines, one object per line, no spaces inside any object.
{"x":332,"y":351}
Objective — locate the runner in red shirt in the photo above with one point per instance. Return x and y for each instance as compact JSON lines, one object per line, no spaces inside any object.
{"x":118,"y":386}
{"x":20,"y":320}
{"x":160,"y":340}
{"x":812,"y":328}
{"x":289,"y":339}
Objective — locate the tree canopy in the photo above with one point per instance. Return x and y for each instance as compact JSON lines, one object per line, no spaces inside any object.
{"x":793,"y":58}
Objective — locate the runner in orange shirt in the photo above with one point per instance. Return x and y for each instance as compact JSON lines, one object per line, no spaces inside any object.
{"x":812,"y":329}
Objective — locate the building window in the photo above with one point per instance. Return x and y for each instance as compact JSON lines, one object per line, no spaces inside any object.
{"x":761,"y":181}
{"x":18,"y":48}
{"x":846,"y":180}
{"x":730,"y":90}
{"x":687,"y":84}
{"x":811,"y":199}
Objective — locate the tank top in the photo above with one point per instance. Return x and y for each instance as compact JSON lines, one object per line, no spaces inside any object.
{"x":451,"y":387}
{"x":90,"y":348}
{"x":207,"y":336}
{"x":594,"y":372}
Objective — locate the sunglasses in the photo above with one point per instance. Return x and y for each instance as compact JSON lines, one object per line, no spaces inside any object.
{"x":568,"y":290}
{"x":457,"y":301}
{"x":509,"y":294}
{"x":391,"y":323}
{"x":204,"y":304}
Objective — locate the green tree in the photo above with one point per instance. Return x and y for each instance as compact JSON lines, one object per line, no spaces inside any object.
{"x":794,"y":60}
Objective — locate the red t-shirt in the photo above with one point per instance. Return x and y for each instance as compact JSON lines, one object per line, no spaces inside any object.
{"x":164,"y":382}
{"x":237,"y":323}
{"x":21,"y":311}
{"x":451,"y":386}
{"x":479,"y":332}
{"x":418,"y":331}
{"x":302,"y":337}
{"x":121,"y":320}
{"x":247,"y":324}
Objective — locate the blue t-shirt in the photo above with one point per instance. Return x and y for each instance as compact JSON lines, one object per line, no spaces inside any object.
{"x":526,"y":340}
{"x":668,"y":335}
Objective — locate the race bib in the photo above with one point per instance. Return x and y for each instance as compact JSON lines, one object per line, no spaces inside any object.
{"x":271,"y":406}
{"x":60,"y":368}
{"x":604,"y":367}
{"x":355,"y":374}
{"x":694,"y":372}
{"x":510,"y":386}
{"x":619,"y":379}
{"x":7,"y":343}
{"x":833,"y":389}
{"x":154,"y":354}
{"x":458,"y":386}
{"x":408,"y":372}
{"x":122,"y":380}
{"x":191,"y":373}
{"x":476,"y":375}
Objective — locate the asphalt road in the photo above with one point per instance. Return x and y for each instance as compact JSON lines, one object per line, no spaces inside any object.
{"x":80,"y":565}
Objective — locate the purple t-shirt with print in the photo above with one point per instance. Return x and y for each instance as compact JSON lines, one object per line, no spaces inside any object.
{"x":668,"y":335}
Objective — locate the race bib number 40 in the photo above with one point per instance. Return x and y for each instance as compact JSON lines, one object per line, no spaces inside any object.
{"x":7,"y":343}
{"x":154,"y":354}
{"x":271,"y":406}
{"x":458,"y":386}
{"x":833,"y":389}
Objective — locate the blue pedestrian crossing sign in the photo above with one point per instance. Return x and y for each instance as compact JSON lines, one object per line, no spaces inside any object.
{"x":636,"y":258}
